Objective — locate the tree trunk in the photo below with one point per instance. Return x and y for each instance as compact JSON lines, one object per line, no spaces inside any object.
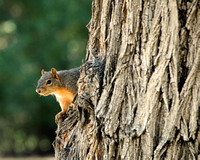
{"x":139,"y":88}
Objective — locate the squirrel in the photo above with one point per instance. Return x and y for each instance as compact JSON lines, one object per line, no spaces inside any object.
{"x":62,"y":84}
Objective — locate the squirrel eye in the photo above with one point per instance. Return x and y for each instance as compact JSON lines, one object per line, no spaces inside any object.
{"x":48,"y":82}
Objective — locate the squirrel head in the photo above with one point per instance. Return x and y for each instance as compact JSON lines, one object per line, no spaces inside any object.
{"x":49,"y":82}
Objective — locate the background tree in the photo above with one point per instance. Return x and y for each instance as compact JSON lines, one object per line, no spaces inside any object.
{"x":139,"y":88}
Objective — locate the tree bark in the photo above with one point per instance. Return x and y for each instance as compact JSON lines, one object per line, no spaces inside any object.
{"x":139,"y":88}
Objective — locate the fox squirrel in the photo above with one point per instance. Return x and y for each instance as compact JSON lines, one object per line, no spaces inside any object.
{"x":62,"y":84}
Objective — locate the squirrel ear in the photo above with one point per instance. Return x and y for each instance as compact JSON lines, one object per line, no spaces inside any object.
{"x":42,"y":71}
{"x":53,"y":71}
{"x":55,"y":74}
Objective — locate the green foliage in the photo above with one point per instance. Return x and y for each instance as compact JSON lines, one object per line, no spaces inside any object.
{"x":35,"y":35}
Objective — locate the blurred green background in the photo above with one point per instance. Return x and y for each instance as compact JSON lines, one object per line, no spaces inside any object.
{"x":35,"y":35}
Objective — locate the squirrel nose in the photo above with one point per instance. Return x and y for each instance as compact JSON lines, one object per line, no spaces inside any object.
{"x":38,"y":90}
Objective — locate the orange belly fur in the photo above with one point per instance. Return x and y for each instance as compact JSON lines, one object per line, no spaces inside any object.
{"x":64,"y":97}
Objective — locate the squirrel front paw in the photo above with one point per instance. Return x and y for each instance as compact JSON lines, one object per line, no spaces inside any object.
{"x":63,"y":114}
{"x":60,"y":116}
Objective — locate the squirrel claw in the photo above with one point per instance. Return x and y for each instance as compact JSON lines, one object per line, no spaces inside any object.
{"x":60,"y":116}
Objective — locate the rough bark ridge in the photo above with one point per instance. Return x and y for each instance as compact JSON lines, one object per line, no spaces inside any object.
{"x":139,"y":90}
